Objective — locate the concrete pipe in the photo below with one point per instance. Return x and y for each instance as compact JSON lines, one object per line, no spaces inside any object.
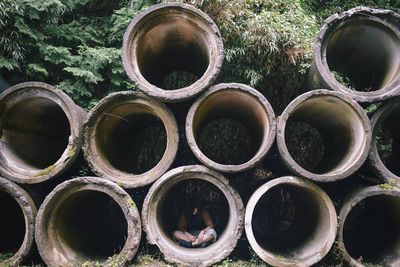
{"x":385,"y":147}
{"x":164,"y":201}
{"x":41,"y":132}
{"x":130,"y":139}
{"x":357,"y":52}
{"x":339,"y":124}
{"x":232,"y":118}
{"x":90,"y":221}
{"x":17,"y":224}
{"x":172,"y":51}
{"x":290,"y":222}
{"x":369,"y":233}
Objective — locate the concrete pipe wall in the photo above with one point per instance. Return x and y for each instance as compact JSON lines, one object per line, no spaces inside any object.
{"x":172,"y":41}
{"x":290,"y":222}
{"x":386,"y":132}
{"x":41,"y":132}
{"x":158,"y":209}
{"x":369,"y":232}
{"x":245,"y":106}
{"x":339,"y":122}
{"x":357,"y":52}
{"x":115,"y":142}
{"x":88,"y":220}
{"x":17,"y":224}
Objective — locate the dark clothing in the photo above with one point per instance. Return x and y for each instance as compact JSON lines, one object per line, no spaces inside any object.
{"x":195,"y":222}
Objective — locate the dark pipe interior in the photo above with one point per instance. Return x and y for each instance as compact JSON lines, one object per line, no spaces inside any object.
{"x":131,"y":139}
{"x":388,"y":142}
{"x":288,"y":219}
{"x":203,"y":193}
{"x":34,"y":133}
{"x":92,"y":224}
{"x":173,"y":53}
{"x":365,"y":55}
{"x":371,"y":231}
{"x":229,"y":127}
{"x":12,"y":225}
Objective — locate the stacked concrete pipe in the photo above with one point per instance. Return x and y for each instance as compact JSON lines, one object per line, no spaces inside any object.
{"x":155,"y":213}
{"x":241,"y":103}
{"x":369,"y":233}
{"x":302,"y":235}
{"x":90,"y":221}
{"x":344,"y":128}
{"x":17,"y":224}
{"x":364,"y":45}
{"x":172,"y":37}
{"x":110,"y":131}
{"x":41,"y":132}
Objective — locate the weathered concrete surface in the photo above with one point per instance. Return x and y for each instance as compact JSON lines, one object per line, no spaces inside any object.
{"x":343,"y":125}
{"x":368,"y":233}
{"x":172,"y":37}
{"x":387,"y":118}
{"x":364,"y":45}
{"x":239,"y":102}
{"x":174,"y":253}
{"x":41,"y":132}
{"x":100,"y":133}
{"x":51,"y":233}
{"x":312,"y":208}
{"x":24,"y":202}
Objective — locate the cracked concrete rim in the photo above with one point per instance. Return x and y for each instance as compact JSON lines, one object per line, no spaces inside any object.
{"x":100,"y":164}
{"x":54,"y":252}
{"x":249,"y":100}
{"x":11,"y":165}
{"x":384,"y":20}
{"x":344,"y":110}
{"x":29,"y":211}
{"x":312,"y":253}
{"x":200,"y":22}
{"x":193,"y":257}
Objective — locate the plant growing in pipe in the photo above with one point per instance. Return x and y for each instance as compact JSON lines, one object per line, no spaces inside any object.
{"x":290,"y":222}
{"x":340,"y":130}
{"x":172,"y":51}
{"x":88,"y":220}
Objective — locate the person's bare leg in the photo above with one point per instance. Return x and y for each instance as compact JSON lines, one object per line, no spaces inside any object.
{"x":202,"y":239}
{"x":179,"y":235}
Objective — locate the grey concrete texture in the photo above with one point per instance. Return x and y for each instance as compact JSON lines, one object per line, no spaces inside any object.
{"x":386,"y":117}
{"x":41,"y":132}
{"x":99,"y":133}
{"x":242,"y":103}
{"x":323,"y":220}
{"x":372,"y":39}
{"x":54,"y":241}
{"x":172,"y":37}
{"x":174,"y":253}
{"x":26,"y":205}
{"x":368,"y":232}
{"x":345,"y":129}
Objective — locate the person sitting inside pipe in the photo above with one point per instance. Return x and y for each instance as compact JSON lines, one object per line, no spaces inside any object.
{"x":195,"y":227}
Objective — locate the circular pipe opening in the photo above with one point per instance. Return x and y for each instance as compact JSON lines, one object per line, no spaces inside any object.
{"x":40,"y":132}
{"x":290,"y":222}
{"x":231,"y":127}
{"x":206,"y":189}
{"x":88,"y":220}
{"x":369,"y":231}
{"x":331,"y":129}
{"x":172,"y":51}
{"x":130,"y":139}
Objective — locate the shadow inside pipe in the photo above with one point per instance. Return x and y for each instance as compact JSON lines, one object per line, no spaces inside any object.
{"x":34,"y":133}
{"x":291,"y":221}
{"x":12,"y":225}
{"x":371,"y":232}
{"x":91,"y":224}
{"x":364,"y":55}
